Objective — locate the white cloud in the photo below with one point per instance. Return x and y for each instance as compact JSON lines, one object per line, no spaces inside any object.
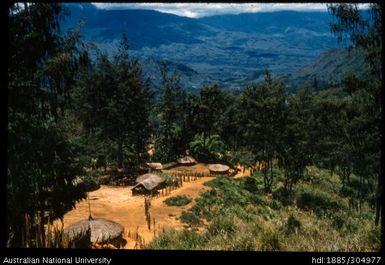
{"x":196,"y":10}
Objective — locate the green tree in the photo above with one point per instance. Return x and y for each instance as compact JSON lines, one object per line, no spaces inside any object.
{"x":129,"y":107}
{"x":209,"y":149}
{"x":113,"y":101}
{"x":262,"y":115}
{"x":297,"y":150}
{"x":171,"y":116}
{"x":41,"y":162}
{"x":209,"y":111}
{"x":365,"y":33}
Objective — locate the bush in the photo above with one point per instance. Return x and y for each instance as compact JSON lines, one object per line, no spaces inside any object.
{"x":190,"y":218}
{"x":374,"y":237}
{"x":170,"y":179}
{"x":204,"y":204}
{"x":250,"y":184}
{"x":338,"y":221}
{"x":222,"y":225}
{"x":177,"y":240}
{"x":293,"y":224}
{"x":244,"y":242}
{"x":209,"y":149}
{"x":270,"y":241}
{"x":341,"y":221}
{"x":317,"y":201}
{"x":177,"y":200}
{"x":276,"y":205}
{"x":231,"y":191}
{"x":283,"y":196}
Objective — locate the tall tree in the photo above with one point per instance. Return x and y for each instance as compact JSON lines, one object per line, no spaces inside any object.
{"x":262,"y":116}
{"x":41,"y":161}
{"x":296,"y":151}
{"x":171,"y":115}
{"x":365,"y":33}
{"x":210,"y":109}
{"x":113,"y":100}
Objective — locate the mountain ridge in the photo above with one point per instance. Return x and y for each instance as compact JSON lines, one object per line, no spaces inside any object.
{"x":227,"y":49}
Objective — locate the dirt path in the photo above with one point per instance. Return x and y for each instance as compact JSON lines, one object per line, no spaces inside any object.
{"x":118,"y":204}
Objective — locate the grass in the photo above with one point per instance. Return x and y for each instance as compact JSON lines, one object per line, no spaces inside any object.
{"x":179,"y":200}
{"x":235,"y":214}
{"x":190,"y":218}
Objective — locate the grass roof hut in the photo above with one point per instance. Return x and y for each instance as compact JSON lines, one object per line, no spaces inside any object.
{"x":147,"y":181}
{"x":187,"y":161}
{"x":219,"y":169}
{"x":154,"y":166}
{"x":94,"y":231}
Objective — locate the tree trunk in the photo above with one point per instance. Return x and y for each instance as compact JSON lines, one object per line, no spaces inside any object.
{"x":120,"y":153}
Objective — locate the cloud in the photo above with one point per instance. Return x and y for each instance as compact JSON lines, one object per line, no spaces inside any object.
{"x":196,"y":10}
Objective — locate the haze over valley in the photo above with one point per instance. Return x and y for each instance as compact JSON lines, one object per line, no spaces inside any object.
{"x":230,"y":50}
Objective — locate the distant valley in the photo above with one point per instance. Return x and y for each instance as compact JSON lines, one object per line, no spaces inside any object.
{"x":231,"y":50}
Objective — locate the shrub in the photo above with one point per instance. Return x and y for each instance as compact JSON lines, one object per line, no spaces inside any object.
{"x":190,"y":218}
{"x":178,"y":240}
{"x":222,"y":225}
{"x":170,"y":179}
{"x":374,"y":237}
{"x":283,"y":196}
{"x":270,"y":241}
{"x":207,"y":149}
{"x":341,"y":221}
{"x":317,"y":201}
{"x":177,"y":200}
{"x":250,"y":184}
{"x":293,"y":224}
{"x":338,"y":221}
{"x":244,"y":242}
{"x":276,"y":205}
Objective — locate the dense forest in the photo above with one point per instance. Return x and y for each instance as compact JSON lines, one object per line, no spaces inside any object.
{"x":75,"y":111}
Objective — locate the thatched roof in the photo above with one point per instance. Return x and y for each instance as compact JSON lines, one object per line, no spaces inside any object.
{"x":149,"y":181}
{"x":156,"y":166}
{"x":187,"y":160}
{"x":219,"y":168}
{"x":102,"y":230}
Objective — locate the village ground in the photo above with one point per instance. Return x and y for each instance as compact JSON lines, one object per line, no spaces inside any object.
{"x":116,"y":203}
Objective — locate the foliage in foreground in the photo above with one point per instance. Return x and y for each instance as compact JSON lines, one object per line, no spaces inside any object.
{"x":238,"y":219}
{"x":179,"y":200}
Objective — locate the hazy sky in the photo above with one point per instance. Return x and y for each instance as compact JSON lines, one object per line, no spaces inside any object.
{"x":209,"y":9}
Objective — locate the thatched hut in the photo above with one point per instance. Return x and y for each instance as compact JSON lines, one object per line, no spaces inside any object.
{"x":147,"y":182}
{"x":154,"y":166}
{"x":187,"y":160}
{"x":94,"y":231}
{"x":219,"y":169}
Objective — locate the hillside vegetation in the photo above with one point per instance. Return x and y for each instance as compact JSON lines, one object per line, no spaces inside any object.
{"x":237,"y":215}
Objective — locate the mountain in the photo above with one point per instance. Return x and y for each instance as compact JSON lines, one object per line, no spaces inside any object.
{"x":330,"y":68}
{"x":145,"y":28}
{"x":228,"y":49}
{"x":268,"y":22}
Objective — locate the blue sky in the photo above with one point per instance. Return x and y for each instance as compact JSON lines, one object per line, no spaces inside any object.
{"x":208,"y":9}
